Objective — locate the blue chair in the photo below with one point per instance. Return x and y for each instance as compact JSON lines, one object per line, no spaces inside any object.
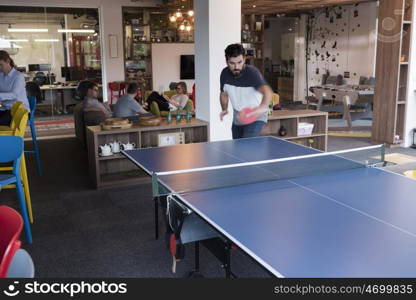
{"x":32,"y":105}
{"x":11,"y":151}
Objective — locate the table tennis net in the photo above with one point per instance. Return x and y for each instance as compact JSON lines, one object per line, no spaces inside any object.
{"x":184,"y":181}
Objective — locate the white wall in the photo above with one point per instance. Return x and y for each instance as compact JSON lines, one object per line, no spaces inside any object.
{"x":218,"y":24}
{"x":299,"y":91}
{"x":410,"y":118}
{"x":355,"y":38}
{"x":111,"y":22}
{"x":166,"y":64}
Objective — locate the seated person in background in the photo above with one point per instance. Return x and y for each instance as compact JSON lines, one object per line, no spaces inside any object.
{"x":94,"y":111}
{"x":160,"y":105}
{"x":126,"y":105}
{"x":180,"y":99}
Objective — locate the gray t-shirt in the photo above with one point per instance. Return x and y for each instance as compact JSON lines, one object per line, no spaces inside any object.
{"x":126,"y":106}
{"x":242,"y":90}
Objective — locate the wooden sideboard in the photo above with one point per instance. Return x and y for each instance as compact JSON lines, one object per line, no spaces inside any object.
{"x":290,"y":120}
{"x":116,"y":169}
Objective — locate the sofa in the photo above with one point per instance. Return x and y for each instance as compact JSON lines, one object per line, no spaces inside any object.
{"x":83,"y":119}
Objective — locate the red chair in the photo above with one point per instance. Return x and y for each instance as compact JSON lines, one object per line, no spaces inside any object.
{"x":116,"y":90}
{"x":11,"y":225}
{"x":193,"y":94}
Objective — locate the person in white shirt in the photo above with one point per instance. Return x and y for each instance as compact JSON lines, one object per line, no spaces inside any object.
{"x":180,"y":99}
{"x":12,"y":88}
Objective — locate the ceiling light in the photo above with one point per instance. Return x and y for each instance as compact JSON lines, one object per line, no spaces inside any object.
{"x":178,"y":14}
{"x":5,"y":44}
{"x":182,"y":27}
{"x":172,"y":18}
{"x":77,"y":30}
{"x":16,"y":40}
{"x":27,"y":30}
{"x":46,"y":40}
{"x":254,"y":6}
{"x":190,"y":13}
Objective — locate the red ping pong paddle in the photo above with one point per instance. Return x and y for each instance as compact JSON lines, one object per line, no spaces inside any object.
{"x":247,"y":115}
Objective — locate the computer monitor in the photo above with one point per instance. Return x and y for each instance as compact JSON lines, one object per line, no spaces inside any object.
{"x":39,"y":67}
{"x":65,"y":72}
{"x":76,"y":74}
{"x":21,"y":69}
{"x":33,"y":67}
{"x":44,"y":67}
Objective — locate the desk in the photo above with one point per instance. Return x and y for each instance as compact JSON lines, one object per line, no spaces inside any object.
{"x":356,"y":221}
{"x":343,"y":94}
{"x":116,"y":169}
{"x":60,"y":89}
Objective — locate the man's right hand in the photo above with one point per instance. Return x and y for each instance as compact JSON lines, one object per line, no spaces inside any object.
{"x":223,"y":113}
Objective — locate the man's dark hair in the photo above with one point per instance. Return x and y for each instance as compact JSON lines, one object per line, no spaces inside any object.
{"x":83,"y":88}
{"x":132,"y":88}
{"x":234,"y":50}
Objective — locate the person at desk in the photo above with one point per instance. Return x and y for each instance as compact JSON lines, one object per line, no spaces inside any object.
{"x":248,"y":92}
{"x":91,"y":103}
{"x":127,"y":106}
{"x":12,"y":87}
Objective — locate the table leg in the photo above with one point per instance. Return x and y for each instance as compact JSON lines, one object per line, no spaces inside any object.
{"x":63,"y":101}
{"x":320,"y":100}
{"x":347,"y":114}
{"x":156,"y":200}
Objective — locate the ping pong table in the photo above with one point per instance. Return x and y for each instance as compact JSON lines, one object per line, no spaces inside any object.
{"x":348,"y":220}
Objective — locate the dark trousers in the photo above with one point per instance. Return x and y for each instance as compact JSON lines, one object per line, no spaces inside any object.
{"x":5,"y":117}
{"x":246,"y":131}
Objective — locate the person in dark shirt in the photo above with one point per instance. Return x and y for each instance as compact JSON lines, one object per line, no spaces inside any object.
{"x":245,"y":87}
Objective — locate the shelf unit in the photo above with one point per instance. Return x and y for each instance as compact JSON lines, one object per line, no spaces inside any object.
{"x":252,"y":38}
{"x":392,"y":72}
{"x":290,"y":121}
{"x":117,"y":169}
{"x":142,"y":27}
{"x":285,"y":86}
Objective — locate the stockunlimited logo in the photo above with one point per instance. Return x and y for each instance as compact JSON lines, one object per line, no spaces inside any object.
{"x":11,"y":290}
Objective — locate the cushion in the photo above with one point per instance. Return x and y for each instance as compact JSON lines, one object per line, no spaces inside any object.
{"x":275,"y":98}
{"x":169,"y":93}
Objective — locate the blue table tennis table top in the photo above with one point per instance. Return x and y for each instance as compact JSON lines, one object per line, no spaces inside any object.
{"x":351,"y":223}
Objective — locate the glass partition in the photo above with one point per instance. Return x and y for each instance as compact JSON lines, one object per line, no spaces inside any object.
{"x":55,"y":48}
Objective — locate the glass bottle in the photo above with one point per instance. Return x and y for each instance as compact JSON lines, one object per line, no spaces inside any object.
{"x":188,"y":116}
{"x":178,"y":117}
{"x":169,"y":117}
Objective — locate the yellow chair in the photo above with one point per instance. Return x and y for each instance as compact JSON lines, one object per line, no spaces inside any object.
{"x":410,"y":174}
{"x":169,"y":93}
{"x":275,"y":99}
{"x":15,"y":107}
{"x":20,"y":118}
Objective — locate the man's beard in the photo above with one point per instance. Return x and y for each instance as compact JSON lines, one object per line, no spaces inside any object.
{"x":236,"y":73}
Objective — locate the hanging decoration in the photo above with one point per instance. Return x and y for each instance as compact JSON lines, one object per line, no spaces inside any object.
{"x":183,"y":17}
